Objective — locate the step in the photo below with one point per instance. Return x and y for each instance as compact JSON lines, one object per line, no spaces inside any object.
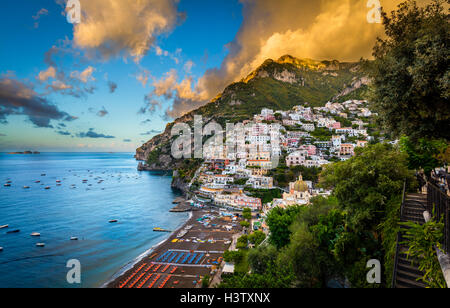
{"x":409,"y":268}
{"x":415,"y":207}
{"x":411,"y":218}
{"x":405,"y":274}
{"x":406,"y":283}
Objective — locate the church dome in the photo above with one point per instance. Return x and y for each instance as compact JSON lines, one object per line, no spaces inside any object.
{"x":300,"y":185}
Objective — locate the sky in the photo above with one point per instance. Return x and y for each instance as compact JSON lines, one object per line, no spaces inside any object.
{"x":114,"y":80}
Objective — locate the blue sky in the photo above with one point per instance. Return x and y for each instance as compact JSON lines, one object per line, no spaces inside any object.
{"x":199,"y":37}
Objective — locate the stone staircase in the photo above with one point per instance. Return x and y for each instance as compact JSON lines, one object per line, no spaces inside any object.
{"x":406,"y":273}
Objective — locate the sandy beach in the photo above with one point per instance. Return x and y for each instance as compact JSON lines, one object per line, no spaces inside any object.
{"x":191,"y":252}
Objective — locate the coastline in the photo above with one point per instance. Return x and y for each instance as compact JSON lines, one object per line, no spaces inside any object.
{"x":191,"y":252}
{"x":130,"y":265}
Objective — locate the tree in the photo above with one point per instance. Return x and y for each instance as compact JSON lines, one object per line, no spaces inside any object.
{"x":423,"y":154}
{"x":245,"y":224}
{"x":261,"y":257}
{"x":242,"y":242}
{"x":247,"y":213}
{"x":365,"y":186}
{"x":279,"y":220}
{"x":205,"y":281}
{"x":257,"y":237}
{"x":410,"y":74}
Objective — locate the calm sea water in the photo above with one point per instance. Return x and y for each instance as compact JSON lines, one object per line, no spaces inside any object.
{"x":139,"y":201}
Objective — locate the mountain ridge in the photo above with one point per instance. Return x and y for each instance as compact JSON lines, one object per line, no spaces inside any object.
{"x":276,"y":84}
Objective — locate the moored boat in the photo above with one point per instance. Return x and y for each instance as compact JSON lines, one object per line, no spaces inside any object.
{"x":160,"y":230}
{"x":7,"y":185}
{"x":35,"y":234}
{"x":26,"y":187}
{"x":113,"y":221}
{"x":47,"y":188}
{"x":40,"y":244}
{"x":13,"y":231}
{"x":74,"y":238}
{"x":4,"y":226}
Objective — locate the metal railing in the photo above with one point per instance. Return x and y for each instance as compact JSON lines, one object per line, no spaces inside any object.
{"x":438,"y":205}
{"x":397,"y":248}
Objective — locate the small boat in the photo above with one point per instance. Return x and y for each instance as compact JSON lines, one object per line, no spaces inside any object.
{"x":37,"y":182}
{"x":58,"y":181}
{"x":4,"y":226}
{"x":8,"y":182}
{"x":35,"y":234}
{"x":160,"y":230}
{"x":43,"y":174}
{"x":1,"y":249}
{"x":74,"y":238}
{"x":26,"y":187}
{"x":48,"y":187}
{"x":7,"y":185}
{"x":40,"y":244}
{"x":113,"y":221}
{"x":13,"y":231}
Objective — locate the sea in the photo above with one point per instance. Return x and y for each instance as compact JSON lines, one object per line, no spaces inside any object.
{"x":85,"y":192}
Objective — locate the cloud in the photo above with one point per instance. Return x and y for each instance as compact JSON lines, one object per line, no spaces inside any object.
{"x":143,"y":77}
{"x":38,"y":15}
{"x":64,"y":133}
{"x":18,"y":98}
{"x":151,"y":132}
{"x":127,"y":140}
{"x":85,"y":75}
{"x":112,"y":86}
{"x":66,"y":82}
{"x":123,"y":28}
{"x":321,"y":30}
{"x":147,"y":121}
{"x":188,"y":66}
{"x":184,"y":94}
{"x":94,"y":135}
{"x":2,"y":135}
{"x":102,"y":112}
{"x":48,"y":73}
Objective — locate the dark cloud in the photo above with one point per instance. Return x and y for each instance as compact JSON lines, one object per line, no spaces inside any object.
{"x":126,"y":140}
{"x":150,"y":105}
{"x":147,"y":121}
{"x":151,"y":132}
{"x":92,"y":134}
{"x":103,"y":112}
{"x":63,"y":133}
{"x":17,"y":98}
{"x":2,"y":135}
{"x":112,"y":86}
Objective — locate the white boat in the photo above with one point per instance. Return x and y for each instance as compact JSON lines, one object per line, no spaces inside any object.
{"x":40,"y":244}
{"x":73,"y":238}
{"x":35,"y":234}
{"x":26,"y":187}
{"x":1,"y":248}
{"x":4,"y":226}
